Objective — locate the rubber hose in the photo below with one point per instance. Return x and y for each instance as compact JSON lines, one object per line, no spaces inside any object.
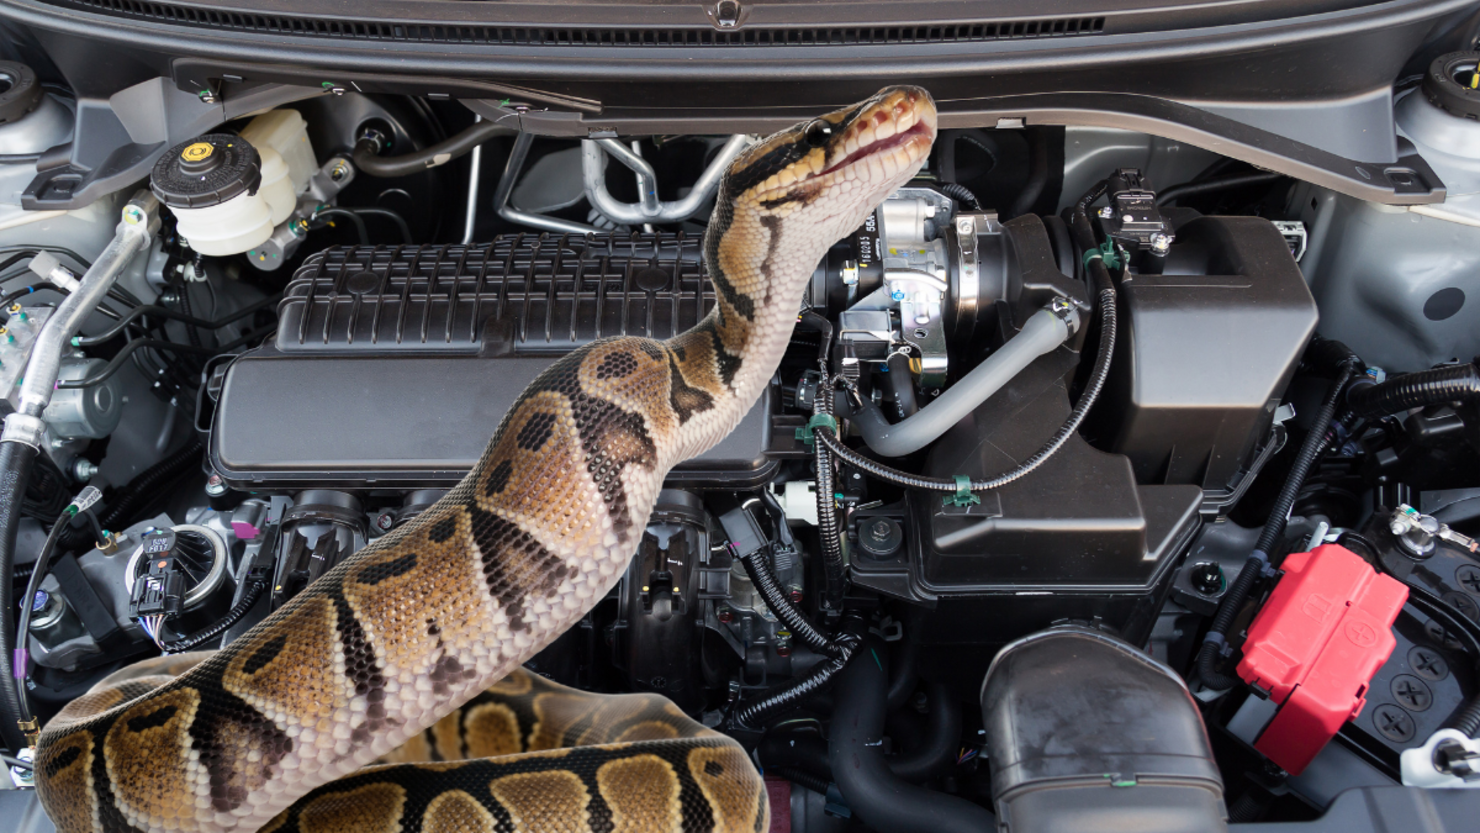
{"x":16,"y":461}
{"x":765,"y":581}
{"x":904,"y":675}
{"x":1222,"y":183}
{"x":369,"y":163}
{"x":804,"y":752}
{"x":1041,"y":334}
{"x":942,"y":737}
{"x":138,"y":493}
{"x":960,"y":193}
{"x":1037,"y":174}
{"x":1457,"y":383}
{"x":1098,"y":375}
{"x":877,"y":796}
{"x":1274,"y":529}
{"x":900,"y":384}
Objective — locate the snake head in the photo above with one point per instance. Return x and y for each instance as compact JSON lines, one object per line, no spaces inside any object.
{"x":832,"y":171}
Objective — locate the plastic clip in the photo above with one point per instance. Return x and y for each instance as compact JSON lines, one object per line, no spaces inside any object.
{"x":804,"y":434}
{"x":963,"y":495}
{"x":1107,"y":253}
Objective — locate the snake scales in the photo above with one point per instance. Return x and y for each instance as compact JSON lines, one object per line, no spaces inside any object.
{"x":409,"y":650}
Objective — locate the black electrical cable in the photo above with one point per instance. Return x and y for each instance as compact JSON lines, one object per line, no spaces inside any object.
{"x":368,"y":161}
{"x":16,"y":462}
{"x":11,"y":760}
{"x":38,"y":572}
{"x":1222,"y":183}
{"x":353,"y":218}
{"x":12,"y":296}
{"x":1274,"y":529}
{"x":1456,"y":383}
{"x":138,"y":312}
{"x":819,"y":677}
{"x":115,"y":363}
{"x":249,"y":598}
{"x":388,"y":214}
{"x":833,"y":569}
{"x":960,"y":193}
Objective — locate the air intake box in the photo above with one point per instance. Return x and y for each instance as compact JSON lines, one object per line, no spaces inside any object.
{"x":393,"y":365}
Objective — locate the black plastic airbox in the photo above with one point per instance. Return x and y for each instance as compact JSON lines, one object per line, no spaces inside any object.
{"x":392,"y":366}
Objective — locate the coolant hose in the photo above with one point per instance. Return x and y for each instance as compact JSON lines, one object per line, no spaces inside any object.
{"x":875,"y":794}
{"x":1274,"y":529}
{"x":900,"y":385}
{"x":939,"y":743}
{"x":1042,"y":333}
{"x":368,"y":162}
{"x":1457,"y":383}
{"x":16,"y":461}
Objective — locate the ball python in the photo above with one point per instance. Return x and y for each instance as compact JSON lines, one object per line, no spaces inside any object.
{"x":281,"y":730}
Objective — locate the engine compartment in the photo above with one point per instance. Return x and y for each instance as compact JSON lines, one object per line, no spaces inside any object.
{"x":341,"y":294}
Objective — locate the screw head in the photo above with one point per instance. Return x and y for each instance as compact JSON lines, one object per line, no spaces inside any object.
{"x":84,"y":470}
{"x":384,"y":521}
{"x":215,"y":486}
{"x":1107,"y":212}
{"x":133,"y":215}
{"x":725,"y":615}
{"x":796,"y":596}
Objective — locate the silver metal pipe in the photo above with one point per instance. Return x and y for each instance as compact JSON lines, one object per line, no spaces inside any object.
{"x":139,"y":221}
{"x":470,"y":215}
{"x":517,"y":154}
{"x":593,"y":174}
{"x":647,"y":179}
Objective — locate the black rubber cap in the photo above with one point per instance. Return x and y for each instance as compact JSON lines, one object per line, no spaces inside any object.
{"x":19,"y":91}
{"x":1451,"y":83}
{"x":206,"y":171}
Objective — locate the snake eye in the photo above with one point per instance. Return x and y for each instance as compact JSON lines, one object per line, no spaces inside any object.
{"x":818,"y":133}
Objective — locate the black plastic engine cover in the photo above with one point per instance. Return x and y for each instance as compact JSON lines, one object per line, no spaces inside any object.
{"x":392,"y":366}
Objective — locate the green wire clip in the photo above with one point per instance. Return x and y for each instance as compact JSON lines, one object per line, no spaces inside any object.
{"x":1107,"y":253}
{"x":963,"y":495}
{"x":804,"y":434}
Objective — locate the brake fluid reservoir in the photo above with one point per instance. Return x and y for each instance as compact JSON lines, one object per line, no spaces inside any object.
{"x":286,"y":132}
{"x":213,"y":184}
{"x":277,"y":185}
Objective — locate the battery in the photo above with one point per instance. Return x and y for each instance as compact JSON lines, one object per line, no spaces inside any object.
{"x":1323,"y":633}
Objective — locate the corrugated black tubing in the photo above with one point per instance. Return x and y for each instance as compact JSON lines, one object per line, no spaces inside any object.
{"x":1456,"y":383}
{"x":960,"y":193}
{"x":759,"y":570}
{"x":1274,"y":530}
{"x":16,"y":462}
{"x":238,"y":610}
{"x":833,"y":568}
{"x":875,"y":794}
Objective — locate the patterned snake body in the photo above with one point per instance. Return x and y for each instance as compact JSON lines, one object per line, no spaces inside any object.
{"x":391,"y":655}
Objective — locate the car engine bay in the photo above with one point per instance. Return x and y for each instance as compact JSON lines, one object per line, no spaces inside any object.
{"x":1143,"y":472}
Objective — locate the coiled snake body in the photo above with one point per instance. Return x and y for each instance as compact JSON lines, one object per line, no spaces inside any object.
{"x":391,"y":655}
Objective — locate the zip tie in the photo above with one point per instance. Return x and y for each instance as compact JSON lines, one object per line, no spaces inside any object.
{"x":804,"y":434}
{"x":1224,"y":649}
{"x":963,"y":495}
{"x":1106,"y":253}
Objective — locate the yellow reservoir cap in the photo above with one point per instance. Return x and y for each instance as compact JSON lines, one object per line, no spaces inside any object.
{"x":197,"y":151}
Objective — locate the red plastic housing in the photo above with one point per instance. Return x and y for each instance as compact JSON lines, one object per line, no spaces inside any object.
{"x":1323,"y":633}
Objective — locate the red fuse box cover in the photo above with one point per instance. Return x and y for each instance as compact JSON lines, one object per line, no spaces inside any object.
{"x":1314,"y":646}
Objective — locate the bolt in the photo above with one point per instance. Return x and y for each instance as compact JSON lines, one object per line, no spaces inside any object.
{"x":1107,"y":212}
{"x":1207,"y":578}
{"x":727,"y":13}
{"x":725,"y":615}
{"x":133,"y":215}
{"x":84,"y":470}
{"x":897,"y":295}
{"x":783,"y":649}
{"x":215,"y":486}
{"x":384,"y":521}
{"x":796,"y":596}
{"x":964,"y":226}
{"x":880,"y":530}
{"x":1161,"y":243}
{"x":208,"y":97}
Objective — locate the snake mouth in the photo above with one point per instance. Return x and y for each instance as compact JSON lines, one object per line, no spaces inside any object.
{"x":919,"y":130}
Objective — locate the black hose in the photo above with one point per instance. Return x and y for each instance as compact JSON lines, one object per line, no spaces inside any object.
{"x":352,"y":217}
{"x":369,"y":163}
{"x":389,"y":215}
{"x":38,"y":572}
{"x":137,"y":312}
{"x":1221,"y":183}
{"x":248,"y":600}
{"x":16,"y":461}
{"x":938,"y":744}
{"x":1456,"y":383}
{"x":960,"y":193}
{"x":877,"y":796}
{"x":1037,"y":174}
{"x":764,"y":579}
{"x":1274,"y":530}
{"x":904,"y":674}
{"x":121,"y":357}
{"x":801,"y":778}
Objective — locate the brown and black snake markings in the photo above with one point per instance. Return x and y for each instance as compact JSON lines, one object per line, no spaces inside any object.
{"x":387,"y":697}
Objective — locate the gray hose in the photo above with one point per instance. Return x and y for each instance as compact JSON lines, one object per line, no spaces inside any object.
{"x":1044,"y":331}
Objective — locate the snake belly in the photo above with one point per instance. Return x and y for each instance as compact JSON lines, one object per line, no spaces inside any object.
{"x":279,"y":730}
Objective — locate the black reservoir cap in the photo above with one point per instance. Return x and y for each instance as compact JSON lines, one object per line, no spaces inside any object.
{"x":206,"y":171}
